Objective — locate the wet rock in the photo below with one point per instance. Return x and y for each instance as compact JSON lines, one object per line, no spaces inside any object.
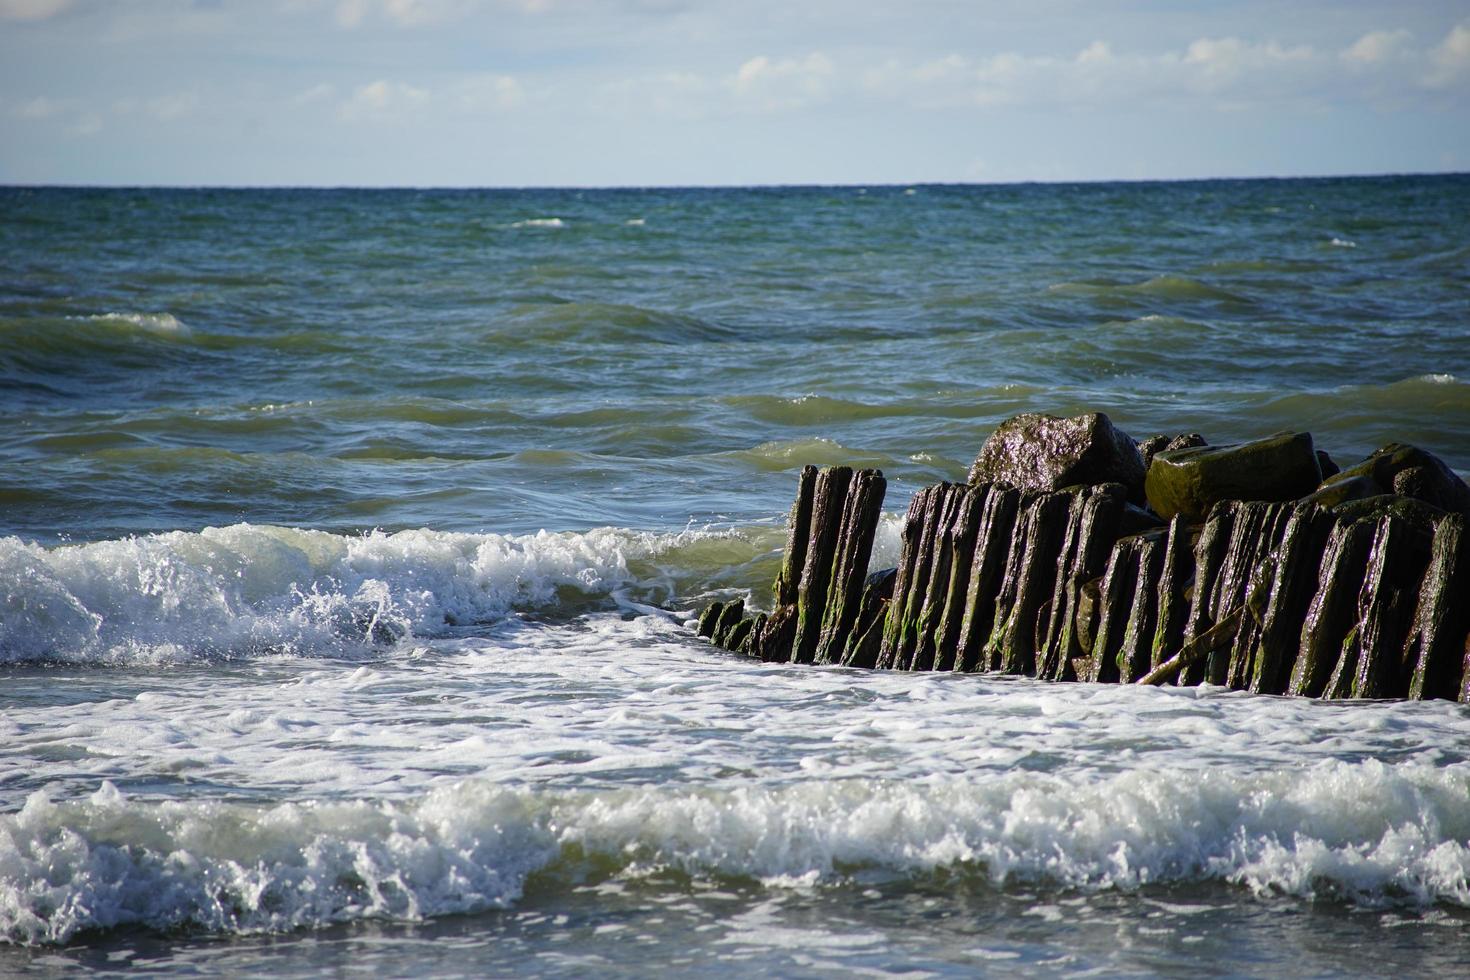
{"x":1329,"y":468}
{"x":1334,"y":492}
{"x":1417,"y":513}
{"x":1150,"y":448}
{"x":1044,"y":452}
{"x":1189,"y":481}
{"x":1412,"y":472}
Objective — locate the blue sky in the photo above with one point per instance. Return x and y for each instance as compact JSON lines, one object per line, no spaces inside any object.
{"x":641,"y":92}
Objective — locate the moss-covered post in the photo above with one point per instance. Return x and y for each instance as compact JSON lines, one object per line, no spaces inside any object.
{"x":859,"y":525}
{"x":1434,"y":654}
{"x":992,"y":551}
{"x":1332,"y":612}
{"x":828,"y":502}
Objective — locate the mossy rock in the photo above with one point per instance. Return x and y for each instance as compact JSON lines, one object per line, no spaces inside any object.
{"x":1192,"y":480}
{"x":1409,"y":471}
{"x":1417,"y":513}
{"x":1047,"y":453}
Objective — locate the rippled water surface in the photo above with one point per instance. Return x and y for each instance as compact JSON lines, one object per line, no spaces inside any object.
{"x":347,"y":539}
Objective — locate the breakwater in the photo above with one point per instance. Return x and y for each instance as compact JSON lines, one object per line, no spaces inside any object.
{"x":1074,"y":553}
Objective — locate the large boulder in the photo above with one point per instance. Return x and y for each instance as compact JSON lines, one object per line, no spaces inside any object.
{"x":1044,"y":452}
{"x":1411,"y":472}
{"x":1190,"y":481}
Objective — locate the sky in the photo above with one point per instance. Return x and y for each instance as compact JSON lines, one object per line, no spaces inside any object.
{"x":716,"y":92}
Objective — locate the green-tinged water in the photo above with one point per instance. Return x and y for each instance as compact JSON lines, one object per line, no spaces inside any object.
{"x":346,"y":538}
{"x":515,"y":360}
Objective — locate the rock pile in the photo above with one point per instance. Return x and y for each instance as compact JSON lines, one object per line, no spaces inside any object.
{"x":1075,"y":554}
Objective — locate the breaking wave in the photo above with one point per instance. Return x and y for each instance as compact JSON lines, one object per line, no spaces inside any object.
{"x":1365,"y":832}
{"x":245,"y":589}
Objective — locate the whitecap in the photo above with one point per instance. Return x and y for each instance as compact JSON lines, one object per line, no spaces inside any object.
{"x":157,"y":323}
{"x":1342,"y":243}
{"x":540,"y":223}
{"x":1365,"y":832}
{"x":246,"y":588}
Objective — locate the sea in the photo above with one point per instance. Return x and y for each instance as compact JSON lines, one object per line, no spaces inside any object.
{"x":349,"y":542}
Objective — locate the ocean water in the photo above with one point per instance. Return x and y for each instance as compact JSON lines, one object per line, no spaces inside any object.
{"x":348,"y":541}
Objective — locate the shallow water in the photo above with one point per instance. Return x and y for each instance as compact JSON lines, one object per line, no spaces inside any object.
{"x":350,"y":538}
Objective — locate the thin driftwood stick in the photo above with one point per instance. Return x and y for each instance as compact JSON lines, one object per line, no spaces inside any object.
{"x":1217,"y":636}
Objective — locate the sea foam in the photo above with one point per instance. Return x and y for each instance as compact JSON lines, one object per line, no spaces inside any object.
{"x":248,"y":588}
{"x":1362,"y":832}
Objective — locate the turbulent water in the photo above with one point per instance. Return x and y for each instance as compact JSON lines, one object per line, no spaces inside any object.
{"x":348,"y":540}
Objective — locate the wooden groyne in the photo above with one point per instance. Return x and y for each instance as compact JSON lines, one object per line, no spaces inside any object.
{"x":1343,"y":592}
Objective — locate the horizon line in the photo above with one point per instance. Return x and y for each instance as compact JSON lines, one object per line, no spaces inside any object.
{"x":777,"y":185}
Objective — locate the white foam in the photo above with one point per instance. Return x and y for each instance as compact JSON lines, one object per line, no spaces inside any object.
{"x":248,"y":588}
{"x":1366,"y":832}
{"x":539,"y":223}
{"x":165,"y":324}
{"x":636,"y":222}
{"x":1342,"y":243}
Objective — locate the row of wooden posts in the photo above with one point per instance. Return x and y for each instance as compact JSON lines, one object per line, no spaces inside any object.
{"x":1269,"y":597}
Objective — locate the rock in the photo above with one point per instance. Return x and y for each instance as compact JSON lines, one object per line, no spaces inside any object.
{"x":1044,"y":452}
{"x":1329,"y":468}
{"x":1334,"y":492}
{"x":1190,"y":481}
{"x":1412,"y":472}
{"x":1415,"y":512}
{"x":1150,"y":448}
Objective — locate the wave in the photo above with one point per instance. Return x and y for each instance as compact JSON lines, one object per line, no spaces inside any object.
{"x":1164,"y":286}
{"x":165,"y":324}
{"x":539,"y":223}
{"x":249,"y":589}
{"x":604,"y":323}
{"x":1366,"y":832}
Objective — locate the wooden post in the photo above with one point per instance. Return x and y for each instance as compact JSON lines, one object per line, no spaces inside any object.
{"x":1135,"y":652}
{"x":798,"y":530}
{"x":908,"y":557}
{"x":1174,"y":582}
{"x":709,"y":618}
{"x":935,"y":588}
{"x":1209,"y":553}
{"x":992,"y":551}
{"x":1299,"y":563}
{"x":1434,"y":654}
{"x":1037,"y":575}
{"x":1241,"y":665}
{"x":816,"y":573}
{"x":963,"y":534}
{"x":1118,"y":583}
{"x":866,"y":638}
{"x":1091,"y":533}
{"x":1368,"y":666}
{"x":850,"y":565}
{"x":1235,"y":570}
{"x":1333,"y":608}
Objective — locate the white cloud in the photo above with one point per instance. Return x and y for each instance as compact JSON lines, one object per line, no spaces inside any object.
{"x":164,"y":108}
{"x":31,"y":9}
{"x":1451,"y":57}
{"x":788,"y":83}
{"x":89,"y":124}
{"x":671,"y":95}
{"x":382,"y":98}
{"x":494,"y":93}
{"x":169,"y":107}
{"x":402,"y":13}
{"x":1376,"y":47}
{"x":1217,"y":72}
{"x":39,"y":108}
{"x":317,"y":93}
